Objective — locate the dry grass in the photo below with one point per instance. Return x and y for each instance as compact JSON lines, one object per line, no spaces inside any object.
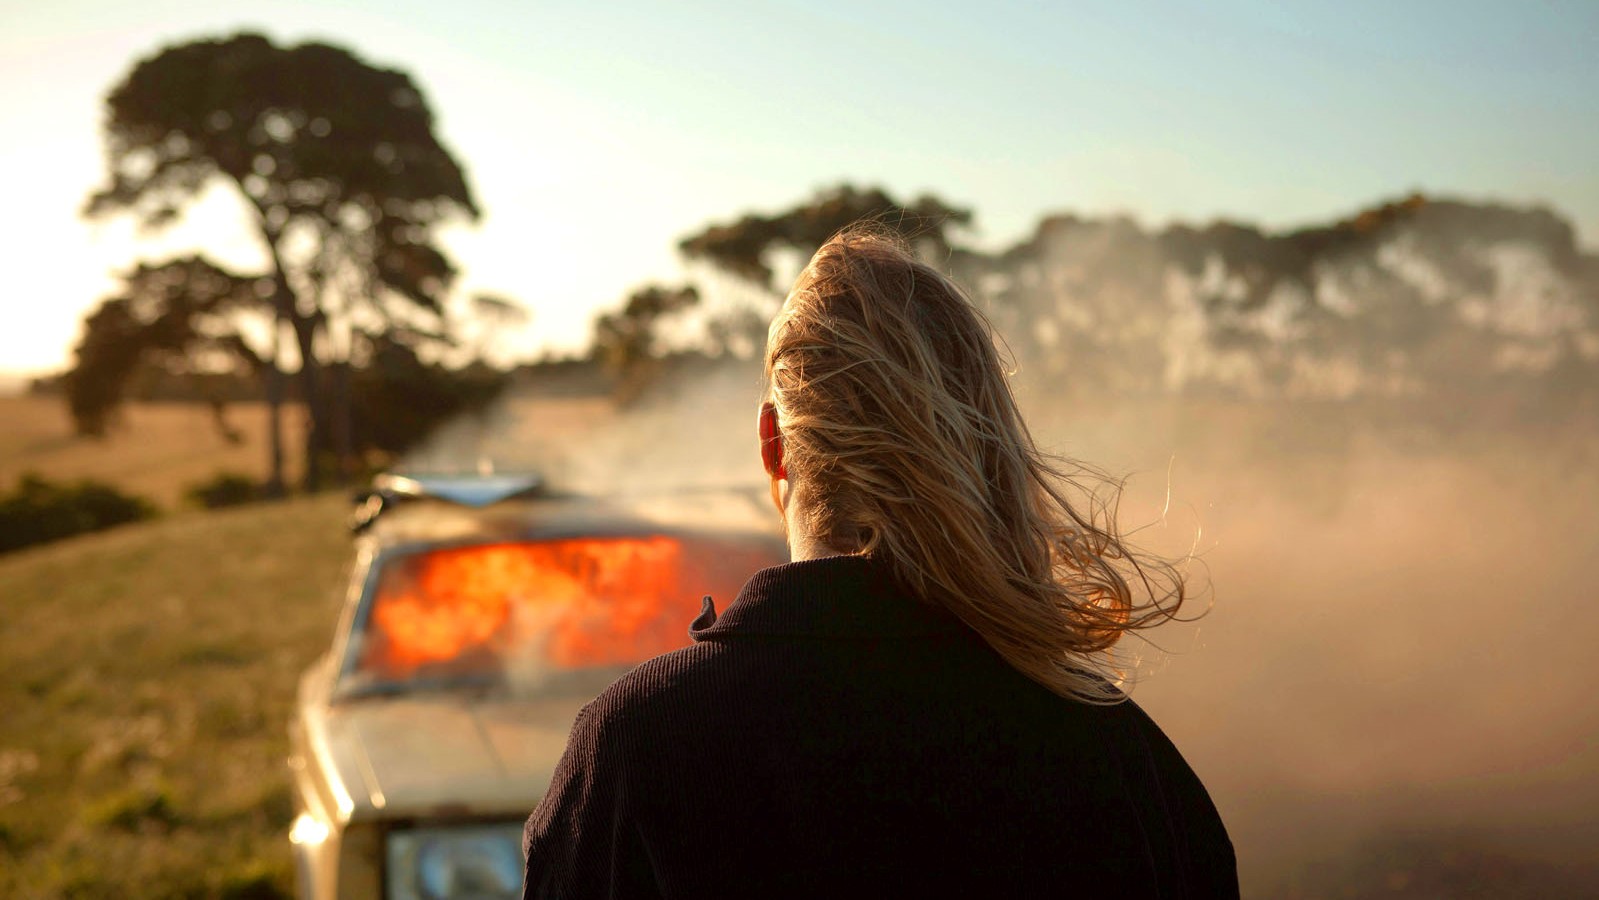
{"x":147,"y":675}
{"x":157,"y":450}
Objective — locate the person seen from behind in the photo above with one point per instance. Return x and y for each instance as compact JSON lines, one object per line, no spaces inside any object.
{"x":920,"y":704}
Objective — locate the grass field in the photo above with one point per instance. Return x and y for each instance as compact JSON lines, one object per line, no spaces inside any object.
{"x":147,"y":674}
{"x":156,"y":450}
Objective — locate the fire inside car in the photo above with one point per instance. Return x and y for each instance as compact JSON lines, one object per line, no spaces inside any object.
{"x":528,"y":611}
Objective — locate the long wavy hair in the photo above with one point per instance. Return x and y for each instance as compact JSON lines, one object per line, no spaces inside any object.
{"x":902,"y":435}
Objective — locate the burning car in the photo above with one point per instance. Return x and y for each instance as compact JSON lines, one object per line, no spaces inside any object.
{"x":481,"y":615}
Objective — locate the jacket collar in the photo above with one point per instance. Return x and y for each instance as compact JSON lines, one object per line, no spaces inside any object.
{"x":832,"y":597}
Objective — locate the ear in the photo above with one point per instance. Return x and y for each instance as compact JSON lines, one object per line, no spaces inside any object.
{"x":771,"y":442}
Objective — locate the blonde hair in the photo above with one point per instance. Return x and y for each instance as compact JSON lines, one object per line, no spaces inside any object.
{"x":902,"y":434}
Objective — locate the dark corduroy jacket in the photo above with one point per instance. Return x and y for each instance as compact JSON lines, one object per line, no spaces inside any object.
{"x":829,"y":736}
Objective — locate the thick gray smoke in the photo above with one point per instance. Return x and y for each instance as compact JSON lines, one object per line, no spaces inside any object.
{"x":1385,"y":432}
{"x":1383,"y":435}
{"x":1392,"y":694}
{"x":692,"y":428}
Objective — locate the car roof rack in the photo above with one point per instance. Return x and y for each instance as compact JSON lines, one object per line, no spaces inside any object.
{"x":476,"y":491}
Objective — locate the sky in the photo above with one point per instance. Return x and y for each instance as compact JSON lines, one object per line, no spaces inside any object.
{"x":595,"y":135}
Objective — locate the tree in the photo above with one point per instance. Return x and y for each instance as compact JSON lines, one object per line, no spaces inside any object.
{"x":185,"y":317}
{"x":627,"y":342}
{"x":398,"y":398}
{"x":742,"y":247}
{"x":189,"y":317}
{"x":336,"y":163}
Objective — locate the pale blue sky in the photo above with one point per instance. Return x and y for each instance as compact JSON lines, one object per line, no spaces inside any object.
{"x":596,"y":134}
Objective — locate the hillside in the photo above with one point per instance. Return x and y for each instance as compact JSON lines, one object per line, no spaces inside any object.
{"x":147,"y":674}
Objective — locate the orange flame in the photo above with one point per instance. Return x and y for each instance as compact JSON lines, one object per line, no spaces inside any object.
{"x":574,"y":603}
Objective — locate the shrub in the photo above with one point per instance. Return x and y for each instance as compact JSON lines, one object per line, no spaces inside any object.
{"x":225,"y":489}
{"x":39,"y":511}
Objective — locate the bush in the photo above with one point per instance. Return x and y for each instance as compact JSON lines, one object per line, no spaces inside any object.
{"x":39,"y":511}
{"x":225,"y":489}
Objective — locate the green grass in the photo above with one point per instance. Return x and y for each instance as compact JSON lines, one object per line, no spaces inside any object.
{"x":146,"y":676}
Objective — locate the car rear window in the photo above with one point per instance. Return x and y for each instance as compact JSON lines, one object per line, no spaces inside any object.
{"x":530,"y":609}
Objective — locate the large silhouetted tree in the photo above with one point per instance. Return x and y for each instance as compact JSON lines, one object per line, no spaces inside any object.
{"x":338,"y":166}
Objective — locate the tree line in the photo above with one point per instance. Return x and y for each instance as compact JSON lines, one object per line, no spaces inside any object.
{"x":345,"y":185}
{"x":1414,"y":297}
